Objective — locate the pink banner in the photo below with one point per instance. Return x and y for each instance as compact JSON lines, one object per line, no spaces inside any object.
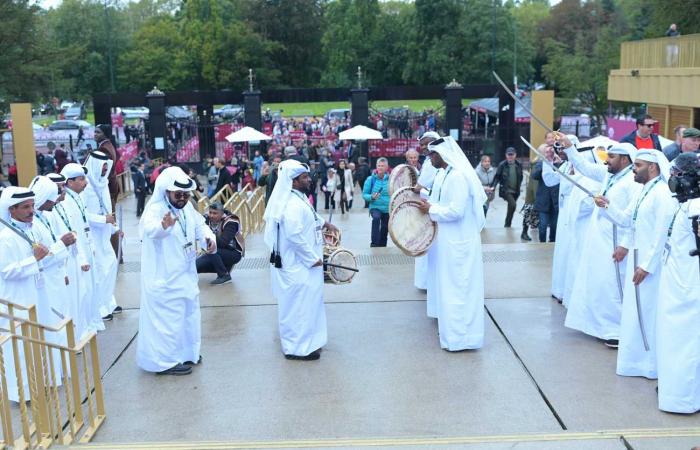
{"x":391,"y":147}
{"x":129,"y":151}
{"x":618,"y":128}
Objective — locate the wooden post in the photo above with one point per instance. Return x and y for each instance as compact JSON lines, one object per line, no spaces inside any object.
{"x":23,"y":142}
{"x":543,"y":108}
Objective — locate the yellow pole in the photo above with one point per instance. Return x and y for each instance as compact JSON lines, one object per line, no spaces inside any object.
{"x":543,"y":108}
{"x":23,"y":142}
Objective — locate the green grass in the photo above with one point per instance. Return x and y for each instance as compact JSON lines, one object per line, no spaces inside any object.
{"x":48,"y":120}
{"x":320,"y":108}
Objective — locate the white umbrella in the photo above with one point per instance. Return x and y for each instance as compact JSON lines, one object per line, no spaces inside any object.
{"x":598,"y":141}
{"x":247,"y":134}
{"x":359,"y":133}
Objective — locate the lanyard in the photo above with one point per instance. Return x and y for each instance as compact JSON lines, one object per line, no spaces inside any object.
{"x":65,"y":220}
{"x":646,"y":192}
{"x":178,"y":220}
{"x":615,"y":178}
{"x":670,"y":227}
{"x":29,"y":235}
{"x":102,"y":204}
{"x":441,"y":184}
{"x":46,"y":224}
{"x":80,"y":207}
{"x":306,"y":202}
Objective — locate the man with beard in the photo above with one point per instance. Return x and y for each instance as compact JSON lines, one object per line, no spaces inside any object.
{"x":170,"y":322}
{"x":229,"y":244}
{"x":648,"y":216}
{"x":293,"y":231}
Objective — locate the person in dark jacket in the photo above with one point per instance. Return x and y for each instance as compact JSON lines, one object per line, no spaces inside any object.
{"x":230,"y":246}
{"x":510,"y":176}
{"x":224,"y":175}
{"x":546,"y":202}
{"x":140,"y":188}
{"x":362,"y":173}
{"x":643,"y":137}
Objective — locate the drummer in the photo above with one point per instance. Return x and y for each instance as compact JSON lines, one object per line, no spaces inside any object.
{"x":456,"y":276}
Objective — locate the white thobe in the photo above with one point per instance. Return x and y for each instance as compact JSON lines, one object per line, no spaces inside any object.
{"x":169,"y":319}
{"x":297,"y":286}
{"x":426,"y":178}
{"x":62,"y":226}
{"x":653,"y":207}
{"x":561,"y":246}
{"x":106,"y":267}
{"x":22,"y":281}
{"x":87,"y":318}
{"x":456,"y":276}
{"x":677,"y":319}
{"x":595,"y":303}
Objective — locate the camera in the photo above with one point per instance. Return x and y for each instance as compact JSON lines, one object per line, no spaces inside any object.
{"x":685,"y":177}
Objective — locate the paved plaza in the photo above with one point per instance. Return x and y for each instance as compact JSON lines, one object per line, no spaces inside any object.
{"x":382,"y":379}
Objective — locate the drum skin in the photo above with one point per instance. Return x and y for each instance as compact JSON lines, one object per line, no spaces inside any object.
{"x":412,"y":231}
{"x":401,"y":176}
{"x":402,"y":195}
{"x":341,"y":257}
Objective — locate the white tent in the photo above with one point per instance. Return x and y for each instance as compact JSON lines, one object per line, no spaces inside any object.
{"x":360,"y":133}
{"x":598,"y":141}
{"x":664,"y":142}
{"x":247,"y":134}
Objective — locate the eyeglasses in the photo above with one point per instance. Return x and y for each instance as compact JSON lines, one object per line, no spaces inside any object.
{"x":648,"y":124}
{"x":181,"y":195}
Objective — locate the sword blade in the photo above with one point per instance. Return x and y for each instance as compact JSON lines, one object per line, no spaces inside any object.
{"x":556,"y":169}
{"x":640,"y":317}
{"x":520,"y":102}
{"x":17,"y":232}
{"x":617,"y":264}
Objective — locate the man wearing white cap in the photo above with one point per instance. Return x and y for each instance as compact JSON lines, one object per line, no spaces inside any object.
{"x":425,"y":181}
{"x":456,"y":277}
{"x":648,"y":216}
{"x":293,"y":231}
{"x":87,"y":317}
{"x":103,"y":225}
{"x":677,"y":331}
{"x":170,"y":322}
{"x":21,"y":271}
{"x":595,"y":305}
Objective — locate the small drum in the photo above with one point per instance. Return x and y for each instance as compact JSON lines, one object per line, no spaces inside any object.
{"x":402,"y":195}
{"x":411,"y":230}
{"x":403,"y":175}
{"x":331,"y":238}
{"x":341,"y":257}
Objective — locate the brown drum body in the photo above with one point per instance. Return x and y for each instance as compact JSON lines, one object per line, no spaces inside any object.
{"x":411,"y":230}
{"x":340,"y":256}
{"x":402,"y":195}
{"x":402,"y":176}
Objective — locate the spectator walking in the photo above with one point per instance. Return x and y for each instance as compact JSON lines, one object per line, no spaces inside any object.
{"x":224,"y":177}
{"x":140,"y":188}
{"x":376,"y":193}
{"x":487,"y":175}
{"x":362,"y":173}
{"x":546,"y":201}
{"x":212,"y":178}
{"x":330,"y":188}
{"x":510,"y":176}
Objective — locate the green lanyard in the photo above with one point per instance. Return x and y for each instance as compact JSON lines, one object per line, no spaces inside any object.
{"x":178,"y":220}
{"x":670,"y":227}
{"x":29,"y":236}
{"x":299,"y":194}
{"x":449,"y":169}
{"x":80,"y":207}
{"x":65,"y":220}
{"x":646,"y":192}
{"x":46,"y":224}
{"x":615,"y":178}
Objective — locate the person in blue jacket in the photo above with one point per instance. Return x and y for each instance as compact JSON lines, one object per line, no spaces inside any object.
{"x":376,"y":193}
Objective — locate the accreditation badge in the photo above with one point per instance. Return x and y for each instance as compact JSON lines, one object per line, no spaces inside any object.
{"x":39,"y":279}
{"x":190,"y":251}
{"x":666,"y":253}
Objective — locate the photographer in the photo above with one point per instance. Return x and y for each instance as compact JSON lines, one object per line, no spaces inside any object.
{"x":229,"y":242}
{"x":677,"y":331}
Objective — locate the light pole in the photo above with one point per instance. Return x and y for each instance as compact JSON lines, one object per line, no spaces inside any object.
{"x":515,"y":48}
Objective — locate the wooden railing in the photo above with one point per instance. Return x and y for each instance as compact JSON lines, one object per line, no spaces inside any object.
{"x":125,"y":184}
{"x":248,"y":205}
{"x":668,"y":52}
{"x":43,"y":423}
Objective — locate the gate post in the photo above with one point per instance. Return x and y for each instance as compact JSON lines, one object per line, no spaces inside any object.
{"x":155,"y":101}
{"x":506,"y":125}
{"x":453,"y":110}
{"x":205,"y":132}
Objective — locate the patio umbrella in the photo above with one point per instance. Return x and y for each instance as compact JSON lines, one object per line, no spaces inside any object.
{"x":247,"y":134}
{"x":598,"y":141}
{"x":359,"y":133}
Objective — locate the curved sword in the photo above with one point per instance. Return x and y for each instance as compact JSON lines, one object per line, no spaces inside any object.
{"x":640,"y":318}
{"x":520,"y":102}
{"x":617,"y":264}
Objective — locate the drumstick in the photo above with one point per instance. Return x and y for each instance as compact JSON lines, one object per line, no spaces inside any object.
{"x":341,"y":267}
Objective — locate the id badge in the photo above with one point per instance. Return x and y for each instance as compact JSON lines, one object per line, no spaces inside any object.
{"x":666,"y":253}
{"x":39,"y":280}
{"x":190,"y":252}
{"x":319,"y":235}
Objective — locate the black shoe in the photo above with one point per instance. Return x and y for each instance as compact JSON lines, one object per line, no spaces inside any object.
{"x":222,"y":279}
{"x":178,"y":369}
{"x":108,"y":318}
{"x":117,"y":310}
{"x":190,"y":363}
{"x":313,"y":356}
{"x":611,"y":343}
{"x":525,"y":237}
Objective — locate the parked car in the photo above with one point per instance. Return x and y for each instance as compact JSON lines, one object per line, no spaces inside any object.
{"x":65,"y":104}
{"x":228,"y":111}
{"x":75,"y":112}
{"x":177,"y":113}
{"x":339,"y":114}
{"x":69,"y":125}
{"x":135,"y":112}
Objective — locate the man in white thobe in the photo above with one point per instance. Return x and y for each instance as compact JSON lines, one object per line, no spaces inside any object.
{"x":98,"y":206}
{"x":595,"y":304}
{"x":678,"y":314}
{"x":293,"y":231}
{"x":648,"y":216}
{"x":87,"y":317}
{"x":21,"y":274}
{"x":169,"y":339}
{"x":456,"y":272}
{"x":426,"y":177}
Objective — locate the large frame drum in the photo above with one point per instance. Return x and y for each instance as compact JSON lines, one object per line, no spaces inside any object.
{"x":411,"y":230}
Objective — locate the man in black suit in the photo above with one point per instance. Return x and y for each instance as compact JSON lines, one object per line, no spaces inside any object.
{"x":140,"y":188}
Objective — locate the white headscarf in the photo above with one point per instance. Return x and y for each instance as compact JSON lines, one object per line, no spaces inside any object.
{"x":94,"y":164}
{"x":11,"y":196}
{"x":287,"y":171}
{"x":170,"y":179}
{"x":623,"y":148}
{"x":657,"y":157}
{"x":44,"y":190}
{"x":453,"y":155}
